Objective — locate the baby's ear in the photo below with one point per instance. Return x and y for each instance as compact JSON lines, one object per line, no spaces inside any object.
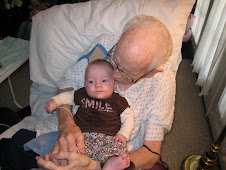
{"x":85,"y":83}
{"x":155,"y":71}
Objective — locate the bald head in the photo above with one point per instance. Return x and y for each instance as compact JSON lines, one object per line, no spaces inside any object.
{"x":144,"y":45}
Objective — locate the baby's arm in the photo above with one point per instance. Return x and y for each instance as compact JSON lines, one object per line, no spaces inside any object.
{"x":127,"y":120}
{"x":120,"y":138}
{"x":50,"y":106}
{"x":62,"y":98}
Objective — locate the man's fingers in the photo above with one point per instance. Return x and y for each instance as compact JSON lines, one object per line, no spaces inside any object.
{"x":47,"y":158}
{"x":81,"y":148}
{"x":71,"y":142}
{"x":63,"y":162}
{"x":83,"y":160}
{"x":62,"y":144}
{"x":55,"y":161}
{"x":75,"y":144}
{"x":75,"y":159}
{"x":45,"y":164}
{"x":81,"y":144}
{"x":52,"y":153}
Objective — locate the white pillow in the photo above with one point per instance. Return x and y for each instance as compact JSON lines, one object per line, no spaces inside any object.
{"x":62,"y":33}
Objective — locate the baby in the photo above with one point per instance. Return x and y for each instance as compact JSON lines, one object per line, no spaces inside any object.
{"x":103,"y":116}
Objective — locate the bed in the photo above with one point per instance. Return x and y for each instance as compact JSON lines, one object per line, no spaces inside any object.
{"x":62,"y":34}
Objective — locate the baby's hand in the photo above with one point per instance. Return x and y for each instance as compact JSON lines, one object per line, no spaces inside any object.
{"x":50,"y":106}
{"x":120,"y":138}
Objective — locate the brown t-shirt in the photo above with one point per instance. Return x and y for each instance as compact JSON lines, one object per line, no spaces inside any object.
{"x":95,"y":115}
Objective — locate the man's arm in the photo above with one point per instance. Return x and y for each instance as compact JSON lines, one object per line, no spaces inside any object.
{"x":147,"y":161}
{"x":64,"y":154}
{"x":165,"y":99}
{"x":70,"y":136}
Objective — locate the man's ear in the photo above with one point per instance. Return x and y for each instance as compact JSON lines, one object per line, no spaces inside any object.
{"x":155,"y":71}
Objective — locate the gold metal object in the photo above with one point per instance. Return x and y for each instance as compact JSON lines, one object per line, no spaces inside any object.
{"x":207,"y":159}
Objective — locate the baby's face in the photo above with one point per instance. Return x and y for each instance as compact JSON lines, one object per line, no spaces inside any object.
{"x":99,"y":82}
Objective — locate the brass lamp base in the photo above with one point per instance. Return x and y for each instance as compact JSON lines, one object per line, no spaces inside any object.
{"x":207,"y":160}
{"x":192,"y":162}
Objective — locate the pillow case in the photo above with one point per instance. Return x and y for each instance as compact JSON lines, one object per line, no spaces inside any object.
{"x":61,"y":34}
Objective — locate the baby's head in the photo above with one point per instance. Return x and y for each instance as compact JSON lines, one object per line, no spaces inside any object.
{"x":99,"y":81}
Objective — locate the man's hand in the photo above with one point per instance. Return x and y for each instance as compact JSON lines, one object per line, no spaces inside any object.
{"x":75,"y":161}
{"x":70,"y":139}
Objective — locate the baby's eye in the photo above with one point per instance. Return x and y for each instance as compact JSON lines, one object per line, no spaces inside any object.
{"x":90,"y":82}
{"x":104,"y":81}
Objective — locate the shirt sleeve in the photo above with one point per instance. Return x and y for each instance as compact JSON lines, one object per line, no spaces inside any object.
{"x":162,"y":108}
{"x":127,"y":120}
{"x":64,"y":98}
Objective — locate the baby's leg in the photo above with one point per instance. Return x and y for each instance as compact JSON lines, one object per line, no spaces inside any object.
{"x":120,"y":162}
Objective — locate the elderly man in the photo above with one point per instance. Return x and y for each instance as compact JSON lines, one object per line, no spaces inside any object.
{"x":145,"y":79}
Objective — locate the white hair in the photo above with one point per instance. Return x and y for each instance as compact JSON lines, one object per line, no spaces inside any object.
{"x":159,"y":32}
